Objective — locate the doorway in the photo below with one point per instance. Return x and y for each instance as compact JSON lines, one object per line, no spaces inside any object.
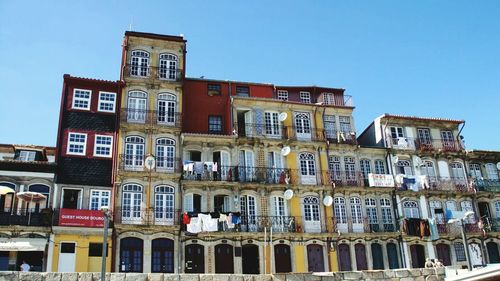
{"x":344,"y":258}
{"x":194,"y":259}
{"x":162,"y":258}
{"x":250,"y":259}
{"x":282,"y":258}
{"x":392,"y":254}
{"x":378,"y":263}
{"x":131,"y":253}
{"x":443,"y":253}
{"x":67,"y":257}
{"x":361,"y":263}
{"x":315,"y":259}
{"x":224,"y":262}
{"x":417,"y":256}
{"x":71,"y":198}
{"x":492,"y":248}
{"x":34,"y":259}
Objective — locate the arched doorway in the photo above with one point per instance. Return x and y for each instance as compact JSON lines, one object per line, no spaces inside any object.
{"x":344,"y":257}
{"x":194,"y":258}
{"x":392,"y":254}
{"x":315,"y":259}
{"x":378,"y":261}
{"x":224,"y":262}
{"x":361,"y":263}
{"x":162,"y":258}
{"x":131,"y":253}
{"x":250,"y":259}
{"x":493,"y":252}
{"x":282,"y":258}
{"x":417,"y":256}
{"x":443,"y":253}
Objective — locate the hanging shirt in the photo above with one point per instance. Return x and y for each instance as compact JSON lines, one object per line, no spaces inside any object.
{"x":211,"y":225}
{"x":186,"y":219}
{"x":194,"y":225}
{"x":205,"y":221}
{"x":434,"y":229}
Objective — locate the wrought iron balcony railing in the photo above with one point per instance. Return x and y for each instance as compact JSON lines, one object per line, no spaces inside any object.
{"x":344,"y":178}
{"x":147,"y":216}
{"x":152,"y":117}
{"x":162,"y":164}
{"x":27,"y":217}
{"x":198,"y":171}
{"x":447,"y":184}
{"x":437,"y":144}
{"x":487,"y":185}
{"x":145,"y":71}
{"x":362,"y":225}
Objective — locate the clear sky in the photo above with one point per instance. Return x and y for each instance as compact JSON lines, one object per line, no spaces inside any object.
{"x":426,"y":58}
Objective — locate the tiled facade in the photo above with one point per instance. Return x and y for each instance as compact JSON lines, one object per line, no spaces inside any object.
{"x":217,"y":176}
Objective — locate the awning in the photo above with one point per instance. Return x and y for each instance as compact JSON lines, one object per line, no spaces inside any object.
{"x":23,"y":244}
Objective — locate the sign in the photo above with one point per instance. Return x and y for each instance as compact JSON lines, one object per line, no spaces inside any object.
{"x":22,"y":244}
{"x":378,"y":180}
{"x":88,"y":218}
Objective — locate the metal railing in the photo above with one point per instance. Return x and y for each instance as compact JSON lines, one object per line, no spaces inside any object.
{"x":147,"y":216}
{"x":130,"y":162}
{"x":344,"y":178}
{"x":437,"y":144}
{"x":487,"y":185}
{"x":152,"y":117}
{"x":161,"y":73}
{"x":238,"y":174}
{"x":447,"y":184}
{"x":27,"y":217}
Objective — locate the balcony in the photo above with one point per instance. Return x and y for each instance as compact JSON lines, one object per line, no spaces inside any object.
{"x":437,"y":144}
{"x":487,"y":185}
{"x":363,"y":226}
{"x":147,"y":216}
{"x":199,"y":171}
{"x":344,"y":178}
{"x":249,"y":130}
{"x":403,"y":143}
{"x":151,"y":117}
{"x":27,"y":217}
{"x":446,"y":184}
{"x":336,"y":100}
{"x":161,"y":73}
{"x":135,"y":163}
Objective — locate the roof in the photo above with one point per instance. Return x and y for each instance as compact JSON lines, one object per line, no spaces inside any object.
{"x":84,"y":79}
{"x":228,"y":81}
{"x":155,"y":36}
{"x":312,"y":87}
{"x":404,"y":117}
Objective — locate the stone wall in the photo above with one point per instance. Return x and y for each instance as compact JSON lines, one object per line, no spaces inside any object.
{"x":389,"y":275}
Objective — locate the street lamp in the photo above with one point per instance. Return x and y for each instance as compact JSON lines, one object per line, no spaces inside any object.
{"x":464,"y":236}
{"x":107,"y":214}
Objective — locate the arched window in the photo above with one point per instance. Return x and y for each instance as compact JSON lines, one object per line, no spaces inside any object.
{"x":43,"y":189}
{"x":467,"y":206}
{"x":385,"y":208}
{"x":404,"y":167}
{"x":437,"y":211}
{"x":131,"y":203}
{"x":311,"y":214}
{"x":136,"y":106}
{"x":134,"y":152}
{"x":340,"y":210}
{"x":168,"y":67}
{"x":165,"y":154}
{"x":139,"y":63}
{"x":307,"y":168}
{"x":457,"y":171}
{"x":371,"y":212}
{"x":303,"y":125}
{"x":357,"y":217}
{"x":427,"y":169}
{"x":164,"y":205}
{"x":167,"y":107}
{"x":411,"y":209}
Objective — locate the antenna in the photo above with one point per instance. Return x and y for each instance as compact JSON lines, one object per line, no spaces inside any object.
{"x":130,"y":25}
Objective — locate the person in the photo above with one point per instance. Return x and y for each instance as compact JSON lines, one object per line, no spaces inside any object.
{"x":25,"y":266}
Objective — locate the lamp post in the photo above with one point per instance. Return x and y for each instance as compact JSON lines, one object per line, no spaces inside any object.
{"x":464,"y":236}
{"x":107,"y":214}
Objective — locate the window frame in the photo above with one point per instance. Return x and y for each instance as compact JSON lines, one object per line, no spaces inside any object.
{"x":26,"y":157}
{"x":68,"y":144}
{"x":110,"y":146}
{"x":99,"y":198}
{"x":101,"y":102}
{"x":212,"y":91}
{"x":211,"y":123}
{"x":305,"y":97}
{"x":282,"y":95}
{"x":240,"y":93}
{"x":88,"y":100}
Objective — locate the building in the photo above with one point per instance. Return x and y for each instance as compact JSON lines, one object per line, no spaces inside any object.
{"x":86,"y":145}
{"x":26,"y":218}
{"x":147,"y":191}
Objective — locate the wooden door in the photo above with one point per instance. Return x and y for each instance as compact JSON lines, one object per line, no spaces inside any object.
{"x":315,"y":259}
{"x":392,"y":254}
{"x":378,"y":261}
{"x":344,"y":257}
{"x":224,"y":262}
{"x":417,"y":256}
{"x":194,"y":258}
{"x":250,"y":259}
{"x":131,"y":253}
{"x":282,"y":258}
{"x":162,"y":258}
{"x":443,"y":253}
{"x":493,"y":255}
{"x":361,"y":263}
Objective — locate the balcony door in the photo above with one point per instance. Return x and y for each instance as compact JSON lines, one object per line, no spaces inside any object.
{"x":340,"y":214}
{"x":280,"y":222}
{"x":134,"y":153}
{"x":273,"y":126}
{"x":424,"y":137}
{"x":165,"y":154}
{"x":166,"y":109}
{"x":307,"y":164}
{"x":136,"y":111}
{"x":356,"y":215}
{"x":275,"y":167}
{"x":139,"y":63}
{"x":168,"y":67}
{"x":164,"y":205}
{"x":246,"y":169}
{"x":131,"y":203}
{"x":312,"y":222}
{"x":303,"y":126}
{"x":248,"y":213}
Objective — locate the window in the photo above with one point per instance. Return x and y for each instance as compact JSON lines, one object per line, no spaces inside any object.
{"x":397,"y":132}
{"x":214,"y":90}
{"x":164,"y":204}
{"x":379,"y":167}
{"x":350,"y":171}
{"x":365,"y":167}
{"x":424,"y":137}
{"x":305,"y":97}
{"x":437,"y":211}
{"x":26,"y":155}
{"x":448,"y":141}
{"x":334,"y":168}
{"x":103,"y":146}
{"x":81,"y":99}
{"x":99,"y":199}
{"x":282,"y":95}
{"x":330,"y":126}
{"x":328,"y":98}
{"x":215,"y":124}
{"x":107,"y":101}
{"x":371,"y":210}
{"x":457,"y":171}
{"x":167,"y":104}
{"x":248,"y":210}
{"x":411,"y":209}
{"x":356,"y":210}
{"x":136,"y":111}
{"x":467,"y":206}
{"x":427,"y":169}
{"x":497,"y":209}
{"x":491,"y":171}
{"x":340,"y":210}
{"x":134,"y":152}
{"x":459,"y":251}
{"x":43,"y":189}
{"x":404,"y":167}
{"x":76,"y":143}
{"x":272,"y":123}
{"x":475,"y":171}
{"x":303,"y":125}
{"x":345,"y":124}
{"x":165,"y":154}
{"x":139,"y":65}
{"x":242,"y":91}
{"x":95,"y":250}
{"x":131,"y":203}
{"x":307,"y":164}
{"x":385,"y":207}
{"x":168,"y":67}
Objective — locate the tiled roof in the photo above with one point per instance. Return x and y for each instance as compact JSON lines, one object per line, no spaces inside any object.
{"x":396,"y":116}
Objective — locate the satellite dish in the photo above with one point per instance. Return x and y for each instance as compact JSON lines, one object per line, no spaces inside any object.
{"x":282,"y":116}
{"x":399,"y":178}
{"x":288,"y":194}
{"x":395,"y":159}
{"x":498,"y":165}
{"x":149,"y":162}
{"x":328,"y":201}
{"x":285,"y":150}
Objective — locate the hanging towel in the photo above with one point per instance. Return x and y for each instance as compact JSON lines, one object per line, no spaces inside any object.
{"x":211,"y":225}
{"x":230,"y":223}
{"x":236,"y":219}
{"x":195,"y":225}
{"x":205,"y":221}
{"x":434,"y":230}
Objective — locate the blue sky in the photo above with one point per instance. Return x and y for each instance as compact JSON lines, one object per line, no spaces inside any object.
{"x":425,"y":58}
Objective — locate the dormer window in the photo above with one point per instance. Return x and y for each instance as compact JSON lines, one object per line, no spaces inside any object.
{"x":282,"y":95}
{"x":81,"y":99}
{"x":26,"y":155}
